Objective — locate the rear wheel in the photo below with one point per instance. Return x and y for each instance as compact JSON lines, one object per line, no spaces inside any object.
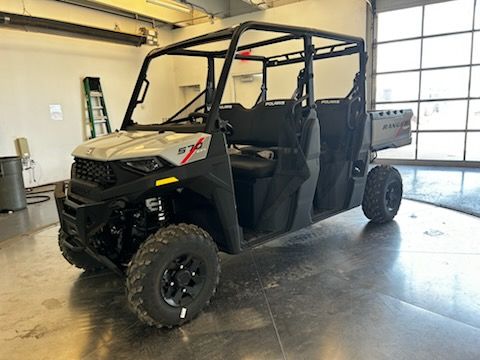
{"x":383,"y":194}
{"x":75,"y":257}
{"x":173,"y":275}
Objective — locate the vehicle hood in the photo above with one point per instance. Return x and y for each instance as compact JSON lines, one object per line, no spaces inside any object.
{"x":123,"y":145}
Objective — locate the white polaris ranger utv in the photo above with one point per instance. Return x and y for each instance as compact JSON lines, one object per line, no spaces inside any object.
{"x":156,"y":200}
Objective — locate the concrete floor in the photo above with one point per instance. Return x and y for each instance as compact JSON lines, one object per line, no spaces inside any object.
{"x":342,"y":289}
{"x":34,"y":217}
{"x":452,"y":187}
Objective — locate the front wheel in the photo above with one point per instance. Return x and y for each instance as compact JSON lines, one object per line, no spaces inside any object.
{"x":383,"y":194}
{"x":173,"y":275}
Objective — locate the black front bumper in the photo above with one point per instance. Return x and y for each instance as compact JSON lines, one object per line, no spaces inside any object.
{"x":80,"y":220}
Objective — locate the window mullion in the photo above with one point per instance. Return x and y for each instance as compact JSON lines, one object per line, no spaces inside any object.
{"x":469,"y":81}
{"x":420,"y":82}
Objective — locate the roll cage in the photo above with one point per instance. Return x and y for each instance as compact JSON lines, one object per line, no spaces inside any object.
{"x":347,"y":45}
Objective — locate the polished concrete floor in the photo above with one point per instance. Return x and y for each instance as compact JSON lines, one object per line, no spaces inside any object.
{"x":450,"y":187}
{"x":342,"y":289}
{"x":32,"y":218}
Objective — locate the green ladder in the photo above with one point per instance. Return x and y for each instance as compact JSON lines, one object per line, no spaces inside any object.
{"x":98,"y":122}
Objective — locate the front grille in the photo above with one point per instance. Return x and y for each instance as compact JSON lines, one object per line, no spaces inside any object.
{"x":98,"y":172}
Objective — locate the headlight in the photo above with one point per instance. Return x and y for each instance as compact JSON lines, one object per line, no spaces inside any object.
{"x":147,"y":165}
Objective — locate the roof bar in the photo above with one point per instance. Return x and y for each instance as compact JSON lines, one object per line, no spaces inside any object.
{"x":348,"y":51}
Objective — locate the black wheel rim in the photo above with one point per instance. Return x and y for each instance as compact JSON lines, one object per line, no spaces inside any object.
{"x":393,"y":196}
{"x":183,"y":280}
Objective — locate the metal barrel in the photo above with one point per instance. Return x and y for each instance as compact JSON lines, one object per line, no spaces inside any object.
{"x":12,"y":188}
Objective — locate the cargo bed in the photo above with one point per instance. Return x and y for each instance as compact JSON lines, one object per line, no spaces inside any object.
{"x":391,"y":128}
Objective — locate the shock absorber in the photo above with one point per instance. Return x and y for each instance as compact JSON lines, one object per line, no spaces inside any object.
{"x":157,"y":205}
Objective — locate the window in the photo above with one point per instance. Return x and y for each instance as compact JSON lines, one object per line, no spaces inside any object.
{"x":446,"y":50}
{"x":443,"y":115}
{"x":475,"y":87}
{"x":397,"y":87}
{"x":451,"y":146}
{"x":402,"y":55}
{"x":445,"y":83}
{"x":474,"y":115}
{"x":473,"y":146}
{"x":400,"y":24}
{"x":448,"y":17}
{"x":428,"y":60}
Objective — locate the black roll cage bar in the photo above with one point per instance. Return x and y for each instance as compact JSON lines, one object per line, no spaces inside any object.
{"x":348,"y":45}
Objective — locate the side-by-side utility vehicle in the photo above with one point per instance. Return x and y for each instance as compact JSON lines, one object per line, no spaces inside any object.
{"x":156,"y":200}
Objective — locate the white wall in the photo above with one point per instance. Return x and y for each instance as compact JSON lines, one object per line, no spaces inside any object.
{"x":333,"y":77}
{"x":39,"y":69}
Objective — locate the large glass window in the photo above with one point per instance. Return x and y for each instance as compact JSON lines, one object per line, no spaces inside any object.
{"x":435,"y":50}
{"x":474,"y":116}
{"x":444,"y":83}
{"x":428,"y":60}
{"x":397,"y":87}
{"x":393,"y":23}
{"x":473,"y":146}
{"x":440,"y":146}
{"x":448,"y":17}
{"x":477,"y":18}
{"x":443,"y":115}
{"x":401,"y":55}
{"x":475,"y":87}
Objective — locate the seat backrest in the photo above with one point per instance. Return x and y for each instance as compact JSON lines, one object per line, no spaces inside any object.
{"x":336,"y":116}
{"x":259,"y":126}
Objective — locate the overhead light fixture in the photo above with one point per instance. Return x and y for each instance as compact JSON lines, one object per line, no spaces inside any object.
{"x":56,"y":27}
{"x":172,"y":5}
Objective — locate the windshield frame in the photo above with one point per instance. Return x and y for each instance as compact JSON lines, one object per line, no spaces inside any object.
{"x":234,"y":34}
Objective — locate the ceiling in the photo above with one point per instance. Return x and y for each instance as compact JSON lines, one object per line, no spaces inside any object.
{"x":179,"y":13}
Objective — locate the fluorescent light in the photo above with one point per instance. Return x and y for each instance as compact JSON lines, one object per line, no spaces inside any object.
{"x":171,"y":5}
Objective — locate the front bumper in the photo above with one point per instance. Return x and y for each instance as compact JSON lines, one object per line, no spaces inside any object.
{"x":80,"y":220}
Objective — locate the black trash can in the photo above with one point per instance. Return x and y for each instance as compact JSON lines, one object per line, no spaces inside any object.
{"x":12,"y":188}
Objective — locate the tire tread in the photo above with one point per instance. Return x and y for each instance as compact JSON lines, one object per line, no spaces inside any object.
{"x":374,"y":193}
{"x":139,"y":265}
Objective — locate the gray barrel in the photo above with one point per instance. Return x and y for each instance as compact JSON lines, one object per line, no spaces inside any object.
{"x":12,"y":189}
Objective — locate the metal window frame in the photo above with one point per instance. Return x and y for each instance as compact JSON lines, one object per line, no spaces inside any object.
{"x":470,"y":65}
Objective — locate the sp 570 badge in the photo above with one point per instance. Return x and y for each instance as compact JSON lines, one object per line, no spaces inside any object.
{"x":190,"y":150}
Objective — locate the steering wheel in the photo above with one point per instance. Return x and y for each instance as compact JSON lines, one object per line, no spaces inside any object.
{"x":226,"y":127}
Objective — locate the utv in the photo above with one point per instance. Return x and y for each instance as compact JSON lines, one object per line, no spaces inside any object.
{"x":157,"y":199}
